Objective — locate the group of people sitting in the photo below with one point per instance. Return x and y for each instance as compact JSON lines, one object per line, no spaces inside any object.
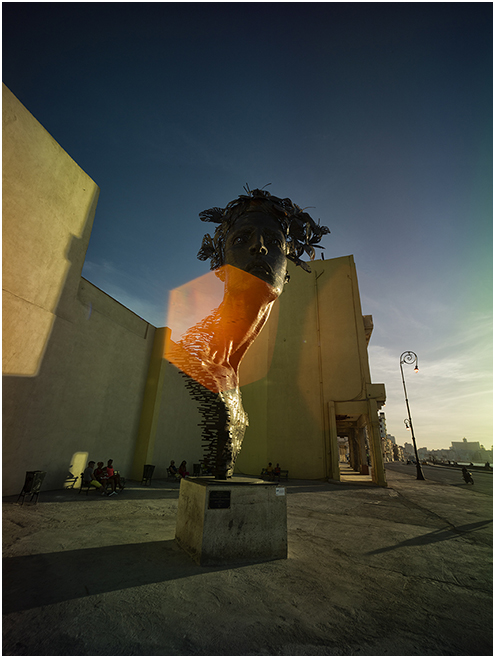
{"x":272,"y":472}
{"x":180,"y":472}
{"x":102,"y":477}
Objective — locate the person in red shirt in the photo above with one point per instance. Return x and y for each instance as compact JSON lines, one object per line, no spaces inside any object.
{"x":182,"y":469}
{"x":101,"y":475}
{"x":113,"y":477}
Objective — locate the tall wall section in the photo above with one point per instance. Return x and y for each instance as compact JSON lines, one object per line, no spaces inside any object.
{"x":320,"y":358}
{"x":75,"y":361}
{"x":84,"y":377}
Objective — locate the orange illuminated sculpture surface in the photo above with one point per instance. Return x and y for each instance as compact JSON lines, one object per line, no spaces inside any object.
{"x":256,"y":233}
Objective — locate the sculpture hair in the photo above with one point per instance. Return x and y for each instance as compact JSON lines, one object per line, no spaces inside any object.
{"x":301,"y":231}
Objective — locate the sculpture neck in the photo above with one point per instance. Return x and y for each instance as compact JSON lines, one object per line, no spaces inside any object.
{"x":213,"y":349}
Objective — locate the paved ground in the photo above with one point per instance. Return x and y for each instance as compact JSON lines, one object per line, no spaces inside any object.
{"x":405,"y":570}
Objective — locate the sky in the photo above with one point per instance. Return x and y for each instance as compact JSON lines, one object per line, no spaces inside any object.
{"x":375,"y":116}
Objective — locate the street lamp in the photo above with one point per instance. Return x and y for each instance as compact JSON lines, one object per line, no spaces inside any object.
{"x":409,"y":358}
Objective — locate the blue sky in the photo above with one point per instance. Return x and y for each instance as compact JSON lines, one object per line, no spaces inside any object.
{"x":377,"y":115}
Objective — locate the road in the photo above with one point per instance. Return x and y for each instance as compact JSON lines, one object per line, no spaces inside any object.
{"x":483,"y":480}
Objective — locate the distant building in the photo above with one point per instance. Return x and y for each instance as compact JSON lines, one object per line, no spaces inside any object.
{"x":387,"y":443}
{"x":388,"y":450}
{"x":343,"y":449}
{"x":383,"y":425}
{"x":408,"y":450}
{"x":442,"y":455}
{"x":470,"y":451}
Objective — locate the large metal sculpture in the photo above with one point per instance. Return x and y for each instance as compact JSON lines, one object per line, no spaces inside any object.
{"x":255,"y":236}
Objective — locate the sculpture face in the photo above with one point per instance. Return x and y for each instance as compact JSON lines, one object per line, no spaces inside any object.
{"x":256,"y":244}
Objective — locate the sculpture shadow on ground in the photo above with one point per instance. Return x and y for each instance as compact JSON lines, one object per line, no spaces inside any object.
{"x":31,"y":581}
{"x":435,"y":536}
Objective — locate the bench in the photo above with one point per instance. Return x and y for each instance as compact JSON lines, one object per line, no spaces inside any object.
{"x":284,"y":475}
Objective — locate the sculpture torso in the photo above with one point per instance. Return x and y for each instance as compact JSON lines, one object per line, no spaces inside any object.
{"x":209,"y":355}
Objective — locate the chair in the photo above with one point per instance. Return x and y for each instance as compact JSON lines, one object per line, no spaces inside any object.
{"x":32,"y":485}
{"x":147,"y":474}
{"x":86,"y":485}
{"x":71,"y":481}
{"x":122,"y":479}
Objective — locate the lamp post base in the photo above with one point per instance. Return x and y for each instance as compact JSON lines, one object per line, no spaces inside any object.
{"x":420,"y":475}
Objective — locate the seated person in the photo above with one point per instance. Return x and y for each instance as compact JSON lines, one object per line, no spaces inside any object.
{"x":113,"y":477}
{"x":172,"y":469}
{"x":89,"y":478}
{"x":269,"y":470}
{"x":100,"y":474}
{"x":276,"y":470}
{"x":182,"y":469}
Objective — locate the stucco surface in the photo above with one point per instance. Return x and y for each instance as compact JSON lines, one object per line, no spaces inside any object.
{"x":74,"y":359}
{"x":48,"y":202}
{"x":319,"y":356}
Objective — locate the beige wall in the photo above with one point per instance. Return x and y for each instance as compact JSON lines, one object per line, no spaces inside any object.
{"x":178,"y":436}
{"x":308,"y":367}
{"x":320,"y":359}
{"x":48,"y":209}
{"x":74,"y":360}
{"x":84,"y":377}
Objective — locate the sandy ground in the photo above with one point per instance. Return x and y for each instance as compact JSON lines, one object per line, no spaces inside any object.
{"x":405,"y":570}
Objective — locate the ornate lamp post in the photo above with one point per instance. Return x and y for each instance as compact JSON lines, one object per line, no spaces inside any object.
{"x":409,"y":358}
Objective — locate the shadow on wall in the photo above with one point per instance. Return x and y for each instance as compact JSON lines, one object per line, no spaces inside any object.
{"x":85,"y":398}
{"x":75,"y":360}
{"x":29,"y":318}
{"x":35,"y":399}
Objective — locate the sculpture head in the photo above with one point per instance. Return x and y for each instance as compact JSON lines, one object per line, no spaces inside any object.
{"x":256,"y":244}
{"x":257,"y":233}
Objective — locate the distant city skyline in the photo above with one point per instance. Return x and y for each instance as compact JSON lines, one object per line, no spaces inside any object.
{"x":378,"y":116}
{"x":488,"y":448}
{"x":447,"y":447}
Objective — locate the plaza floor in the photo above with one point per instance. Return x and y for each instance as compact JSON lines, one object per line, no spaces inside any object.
{"x":402,"y":570}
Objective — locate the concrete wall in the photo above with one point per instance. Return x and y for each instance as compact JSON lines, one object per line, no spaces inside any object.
{"x":178,"y":436}
{"x":320,"y":358}
{"x":74,"y":360}
{"x":85,"y":377}
{"x":48,"y":209}
{"x":307,"y":369}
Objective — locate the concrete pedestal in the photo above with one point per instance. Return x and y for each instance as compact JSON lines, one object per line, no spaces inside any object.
{"x":239,"y":520}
